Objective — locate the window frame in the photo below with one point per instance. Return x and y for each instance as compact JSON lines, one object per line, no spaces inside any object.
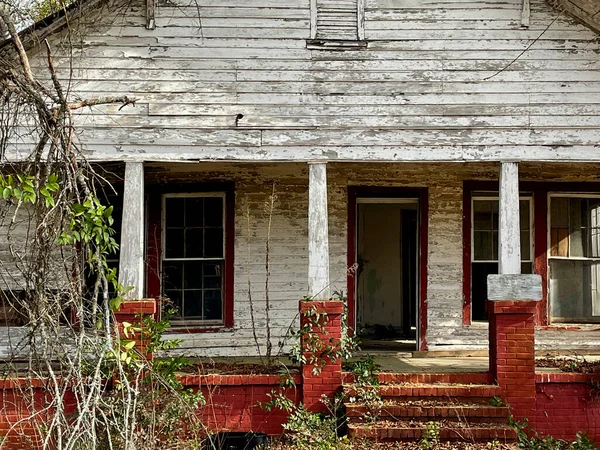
{"x":154,"y":248}
{"x":334,"y":42}
{"x":478,"y":195}
{"x":218,"y":194}
{"x":563,"y":194}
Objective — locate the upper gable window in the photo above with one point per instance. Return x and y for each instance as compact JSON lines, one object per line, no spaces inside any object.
{"x":337,"y":20}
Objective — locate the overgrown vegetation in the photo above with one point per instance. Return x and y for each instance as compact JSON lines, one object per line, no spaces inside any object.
{"x":103,"y":391}
{"x":307,"y":340}
{"x":576,"y":363}
{"x":533,"y":441}
{"x":366,"y":387}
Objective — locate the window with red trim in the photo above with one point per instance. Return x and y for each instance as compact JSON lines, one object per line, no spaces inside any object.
{"x":484,"y":245}
{"x":190,"y":252}
{"x":193,"y":259}
{"x":574,"y":258}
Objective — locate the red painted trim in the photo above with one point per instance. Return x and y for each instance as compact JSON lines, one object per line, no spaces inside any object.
{"x":540,"y":246}
{"x":351,"y":257}
{"x":229,"y":256}
{"x":422,"y":194}
{"x":154,"y":242}
{"x":466,"y":320}
{"x":424,"y":235}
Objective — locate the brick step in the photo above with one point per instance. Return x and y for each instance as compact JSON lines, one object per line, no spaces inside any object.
{"x":428,"y":378}
{"x":481,"y":393}
{"x":410,"y":431}
{"x":468,"y":412}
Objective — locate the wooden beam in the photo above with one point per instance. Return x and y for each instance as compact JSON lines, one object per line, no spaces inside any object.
{"x":150,"y":14}
{"x":525,"y":13}
{"x":318,"y":233}
{"x":588,"y":153}
{"x":360,"y":5}
{"x":313,"y":19}
{"x":509,"y":228}
{"x":131,"y":259}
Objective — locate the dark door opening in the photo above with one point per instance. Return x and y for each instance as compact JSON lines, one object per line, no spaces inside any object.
{"x":387,"y":275}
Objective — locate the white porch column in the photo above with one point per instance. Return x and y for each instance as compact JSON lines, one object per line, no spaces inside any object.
{"x":509,"y":228}
{"x":318,"y":232}
{"x":131,"y":259}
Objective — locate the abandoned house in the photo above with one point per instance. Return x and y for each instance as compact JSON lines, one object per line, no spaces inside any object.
{"x":397,"y":115}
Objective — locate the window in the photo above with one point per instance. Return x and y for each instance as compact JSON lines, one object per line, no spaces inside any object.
{"x":193,"y":261}
{"x":337,"y":20}
{"x":574,"y":258}
{"x":484,"y":247}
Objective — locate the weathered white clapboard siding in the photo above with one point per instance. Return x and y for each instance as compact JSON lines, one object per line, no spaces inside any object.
{"x":434,"y":69}
{"x":455,"y":80}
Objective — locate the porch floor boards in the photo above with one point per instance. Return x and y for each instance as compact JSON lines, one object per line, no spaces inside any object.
{"x":405,"y":362}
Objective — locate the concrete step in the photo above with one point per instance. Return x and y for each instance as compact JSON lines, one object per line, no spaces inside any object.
{"x":382,"y":431}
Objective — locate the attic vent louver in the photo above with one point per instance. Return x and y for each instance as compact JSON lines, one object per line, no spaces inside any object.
{"x":340,"y":20}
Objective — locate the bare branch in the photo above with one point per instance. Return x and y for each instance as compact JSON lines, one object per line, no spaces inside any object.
{"x":125,"y":100}
{"x":5,"y":16}
{"x":57,"y":86}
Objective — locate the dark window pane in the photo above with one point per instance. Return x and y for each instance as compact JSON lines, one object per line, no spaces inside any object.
{"x":192,"y":275}
{"x":212,"y":269}
{"x":193,"y":243}
{"x":212,"y":305}
{"x":482,"y":216}
{"x":213,"y":211}
{"x":176,"y":299}
{"x":495,"y":206}
{"x":526,"y":268}
{"x":482,"y":243}
{"x":525,"y":246}
{"x":213,"y":243}
{"x":479,"y":273}
{"x":212,"y":282}
{"x":174,"y":243}
{"x":524,"y":214}
{"x":193,"y":212}
{"x":172,"y":275}
{"x":192,"y":308}
{"x":174,"y":212}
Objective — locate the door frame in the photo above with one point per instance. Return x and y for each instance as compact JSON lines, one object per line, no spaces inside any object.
{"x":421,"y":194}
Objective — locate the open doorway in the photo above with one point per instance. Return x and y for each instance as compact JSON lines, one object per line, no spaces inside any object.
{"x":387,"y":256}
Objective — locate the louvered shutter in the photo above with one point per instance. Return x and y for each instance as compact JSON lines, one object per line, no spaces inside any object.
{"x":337,"y":19}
